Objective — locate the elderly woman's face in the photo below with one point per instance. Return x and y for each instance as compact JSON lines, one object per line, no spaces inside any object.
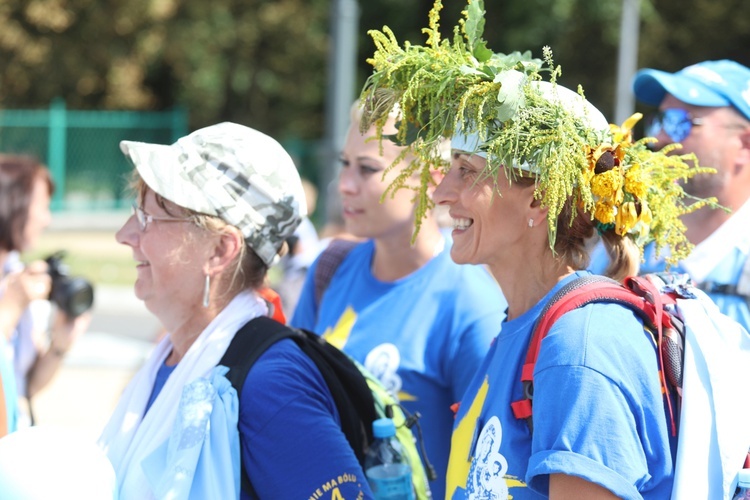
{"x":169,"y":257}
{"x":485,"y":224}
{"x":361,"y":185}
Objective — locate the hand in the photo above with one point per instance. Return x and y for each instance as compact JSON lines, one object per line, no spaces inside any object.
{"x":33,"y":283}
{"x":66,"y":331}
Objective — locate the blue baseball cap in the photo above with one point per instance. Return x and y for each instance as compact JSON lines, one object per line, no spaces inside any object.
{"x":708,"y":83}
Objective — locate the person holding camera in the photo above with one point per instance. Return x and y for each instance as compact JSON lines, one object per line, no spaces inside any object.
{"x":26,"y":188}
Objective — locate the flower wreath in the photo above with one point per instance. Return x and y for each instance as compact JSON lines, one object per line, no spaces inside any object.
{"x":445,"y":87}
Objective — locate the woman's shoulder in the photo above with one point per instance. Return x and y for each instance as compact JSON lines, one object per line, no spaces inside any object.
{"x":597,"y":334}
{"x":282,"y":359}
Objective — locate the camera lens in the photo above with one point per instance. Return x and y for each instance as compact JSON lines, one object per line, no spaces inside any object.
{"x":75,"y":296}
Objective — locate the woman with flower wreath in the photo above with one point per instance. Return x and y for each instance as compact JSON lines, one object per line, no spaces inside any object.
{"x":536,"y":172}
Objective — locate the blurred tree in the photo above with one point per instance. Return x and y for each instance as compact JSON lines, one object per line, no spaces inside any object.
{"x":263,"y":62}
{"x":258,"y":62}
{"x":583,"y":35}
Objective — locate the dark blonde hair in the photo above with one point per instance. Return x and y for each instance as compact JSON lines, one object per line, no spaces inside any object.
{"x":572,"y":240}
{"x":576,"y":229}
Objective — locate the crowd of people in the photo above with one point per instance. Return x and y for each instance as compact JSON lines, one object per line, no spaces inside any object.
{"x":531,"y":176}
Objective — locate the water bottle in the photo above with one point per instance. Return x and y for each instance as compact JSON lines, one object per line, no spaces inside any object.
{"x":386,"y":468}
{"x":743,"y":481}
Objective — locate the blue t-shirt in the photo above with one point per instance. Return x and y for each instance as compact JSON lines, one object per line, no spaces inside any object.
{"x":598,"y":411}
{"x":726,"y":272}
{"x":290,"y":435}
{"x":423,"y":335}
{"x":161,"y":378}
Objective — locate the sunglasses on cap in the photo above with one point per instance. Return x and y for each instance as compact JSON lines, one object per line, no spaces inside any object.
{"x":676,"y":123}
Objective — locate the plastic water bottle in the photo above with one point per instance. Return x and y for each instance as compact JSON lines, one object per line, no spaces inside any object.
{"x":386,"y":468}
{"x":744,"y":483}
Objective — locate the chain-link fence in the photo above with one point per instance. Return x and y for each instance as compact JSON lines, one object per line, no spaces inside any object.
{"x":82,"y":150}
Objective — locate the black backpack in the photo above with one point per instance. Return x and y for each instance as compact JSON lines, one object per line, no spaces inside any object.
{"x":359,"y":398}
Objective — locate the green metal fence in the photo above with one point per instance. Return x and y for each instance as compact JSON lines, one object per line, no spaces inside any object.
{"x":82,"y":150}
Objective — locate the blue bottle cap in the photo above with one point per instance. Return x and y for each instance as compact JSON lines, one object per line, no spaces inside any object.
{"x":383,"y":428}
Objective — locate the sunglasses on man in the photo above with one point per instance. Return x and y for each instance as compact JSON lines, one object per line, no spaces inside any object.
{"x":677,"y":123}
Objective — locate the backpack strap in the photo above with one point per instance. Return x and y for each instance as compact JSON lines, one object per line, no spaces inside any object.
{"x":248,"y":344}
{"x":741,"y":289}
{"x":640,"y":295}
{"x":273,"y":301}
{"x":348,"y":387}
{"x":328,"y":262}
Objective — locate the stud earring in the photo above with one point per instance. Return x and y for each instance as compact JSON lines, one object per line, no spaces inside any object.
{"x":206,"y":291}
{"x":531,"y":222}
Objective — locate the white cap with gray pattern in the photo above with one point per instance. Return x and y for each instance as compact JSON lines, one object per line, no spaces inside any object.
{"x":234,"y":172}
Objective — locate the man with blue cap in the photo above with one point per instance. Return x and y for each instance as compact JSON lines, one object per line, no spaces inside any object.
{"x":706,"y":108}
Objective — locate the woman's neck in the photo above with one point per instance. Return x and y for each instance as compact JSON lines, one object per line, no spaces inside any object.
{"x":525,"y":284}
{"x":395,"y":256}
{"x":186,"y":328}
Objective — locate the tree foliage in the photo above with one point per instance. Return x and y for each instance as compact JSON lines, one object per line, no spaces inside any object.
{"x":264,"y":62}
{"x":258,"y":62}
{"x":584,"y":35}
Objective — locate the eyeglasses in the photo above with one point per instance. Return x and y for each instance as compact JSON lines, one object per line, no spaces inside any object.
{"x":144,"y":218}
{"x":675,"y":122}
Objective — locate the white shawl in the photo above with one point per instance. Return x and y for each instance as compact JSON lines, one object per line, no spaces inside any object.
{"x":128,"y":437}
{"x":714,"y":431}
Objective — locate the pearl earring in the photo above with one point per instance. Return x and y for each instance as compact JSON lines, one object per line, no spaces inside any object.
{"x":531,"y":222}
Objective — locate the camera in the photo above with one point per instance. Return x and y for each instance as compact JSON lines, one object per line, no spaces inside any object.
{"x":73,"y":295}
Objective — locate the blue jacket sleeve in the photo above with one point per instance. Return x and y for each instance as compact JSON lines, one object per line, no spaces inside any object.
{"x":291,"y":442}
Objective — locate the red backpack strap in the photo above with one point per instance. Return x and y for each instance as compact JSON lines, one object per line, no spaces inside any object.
{"x":573,"y":295}
{"x":661,"y":322}
{"x":273,"y":299}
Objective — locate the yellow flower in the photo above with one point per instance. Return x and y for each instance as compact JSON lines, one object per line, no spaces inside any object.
{"x":604,"y":212}
{"x":646,"y":216}
{"x":593,"y":157}
{"x":619,"y":152}
{"x":643,"y":227}
{"x":626,"y":218}
{"x":607,"y":184}
{"x":635,"y":181}
{"x":624,"y":133}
